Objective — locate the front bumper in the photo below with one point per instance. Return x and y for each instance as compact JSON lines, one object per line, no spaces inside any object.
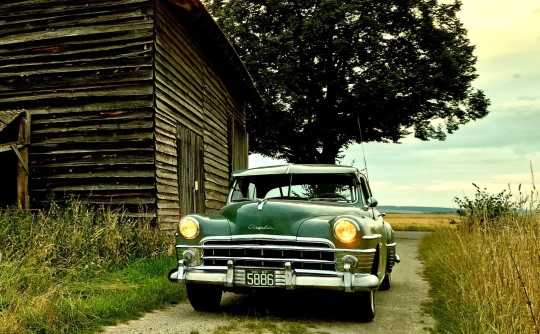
{"x":231,"y":277}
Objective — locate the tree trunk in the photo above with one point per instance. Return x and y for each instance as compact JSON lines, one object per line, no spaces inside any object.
{"x":329,"y":152}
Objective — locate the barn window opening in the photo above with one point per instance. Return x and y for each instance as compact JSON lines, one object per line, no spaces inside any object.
{"x":14,"y":136}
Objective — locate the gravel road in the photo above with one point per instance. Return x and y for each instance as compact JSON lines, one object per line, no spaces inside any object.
{"x":398,"y":310}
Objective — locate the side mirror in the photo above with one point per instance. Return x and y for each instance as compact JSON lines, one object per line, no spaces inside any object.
{"x":371,"y":203}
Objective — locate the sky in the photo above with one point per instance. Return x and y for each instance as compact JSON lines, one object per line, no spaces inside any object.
{"x":499,"y":152}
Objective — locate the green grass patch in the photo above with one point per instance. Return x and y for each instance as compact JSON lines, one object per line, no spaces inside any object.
{"x":74,"y":269}
{"x":262,"y":327}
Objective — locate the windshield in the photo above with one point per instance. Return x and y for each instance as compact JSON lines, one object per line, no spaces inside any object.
{"x":313,"y":187}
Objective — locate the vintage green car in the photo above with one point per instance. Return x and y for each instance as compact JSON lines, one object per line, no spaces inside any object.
{"x":289,"y":227}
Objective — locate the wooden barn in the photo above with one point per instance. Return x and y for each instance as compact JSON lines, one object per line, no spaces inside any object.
{"x":138,"y":104}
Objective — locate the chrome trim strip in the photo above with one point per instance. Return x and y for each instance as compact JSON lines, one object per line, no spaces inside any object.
{"x":298,"y":248}
{"x":270,"y":247}
{"x":315,"y":272}
{"x":297,"y":272}
{"x":269,"y":259}
{"x":267,"y":237}
{"x":371,"y":236}
{"x":316,"y":240}
{"x":220,"y":238}
{"x":263,"y":237}
{"x":290,"y":279}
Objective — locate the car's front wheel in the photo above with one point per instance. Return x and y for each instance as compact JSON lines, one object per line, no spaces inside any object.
{"x":386,"y":283}
{"x":204,"y":297}
{"x":367,"y":306}
{"x":361,"y":306}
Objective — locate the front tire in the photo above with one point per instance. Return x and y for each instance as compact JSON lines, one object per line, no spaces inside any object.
{"x":367,"y":306}
{"x":386,"y":284}
{"x":360,"y":306}
{"x":205,"y":298}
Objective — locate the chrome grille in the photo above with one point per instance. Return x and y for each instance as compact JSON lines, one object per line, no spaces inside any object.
{"x":269,"y":254}
{"x":391,"y":249}
{"x":365,"y":261}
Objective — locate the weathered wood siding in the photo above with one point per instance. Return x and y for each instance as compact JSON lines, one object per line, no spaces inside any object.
{"x":84,"y":71}
{"x":134,"y":103}
{"x":191,"y":93}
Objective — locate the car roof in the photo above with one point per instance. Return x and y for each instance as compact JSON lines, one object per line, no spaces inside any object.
{"x":297,"y":169}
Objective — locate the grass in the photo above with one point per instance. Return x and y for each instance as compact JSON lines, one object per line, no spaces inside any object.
{"x":261,"y":327}
{"x":485,"y":274}
{"x":73,"y":269}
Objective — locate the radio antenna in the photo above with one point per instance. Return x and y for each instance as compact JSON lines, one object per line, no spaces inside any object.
{"x":362,"y":144}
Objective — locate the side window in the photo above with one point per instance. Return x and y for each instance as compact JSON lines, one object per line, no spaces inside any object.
{"x":237,"y":194}
{"x":276,"y":192}
{"x":244,"y":191}
{"x":366,"y":193}
{"x":252,"y":191}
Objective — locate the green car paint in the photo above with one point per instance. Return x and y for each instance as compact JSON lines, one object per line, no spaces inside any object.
{"x":279,"y":228}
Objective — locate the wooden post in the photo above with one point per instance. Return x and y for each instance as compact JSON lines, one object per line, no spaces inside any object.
{"x":23,"y":198}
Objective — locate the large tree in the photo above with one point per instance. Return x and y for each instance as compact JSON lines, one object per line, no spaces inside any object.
{"x":323,"y":67}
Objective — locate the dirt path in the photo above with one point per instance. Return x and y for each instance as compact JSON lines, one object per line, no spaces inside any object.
{"x":398,"y":310}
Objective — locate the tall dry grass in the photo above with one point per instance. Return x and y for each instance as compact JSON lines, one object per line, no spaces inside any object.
{"x":485,"y":275}
{"x":48,"y":258}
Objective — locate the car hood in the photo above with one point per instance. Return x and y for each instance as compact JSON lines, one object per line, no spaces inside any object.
{"x":278,"y":217}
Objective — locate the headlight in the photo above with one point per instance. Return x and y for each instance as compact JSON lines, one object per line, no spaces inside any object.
{"x":189,"y":228}
{"x":345,"y":230}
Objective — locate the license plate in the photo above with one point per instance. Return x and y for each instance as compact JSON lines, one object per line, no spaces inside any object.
{"x":260,"y":278}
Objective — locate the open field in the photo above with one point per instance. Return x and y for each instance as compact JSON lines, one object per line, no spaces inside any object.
{"x":421,"y":221}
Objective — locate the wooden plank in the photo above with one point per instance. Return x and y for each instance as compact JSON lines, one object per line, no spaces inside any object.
{"x":99,"y":108}
{"x":65,"y":7}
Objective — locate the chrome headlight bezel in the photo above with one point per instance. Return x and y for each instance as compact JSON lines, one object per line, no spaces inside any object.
{"x":346,"y":230}
{"x":189,"y":228}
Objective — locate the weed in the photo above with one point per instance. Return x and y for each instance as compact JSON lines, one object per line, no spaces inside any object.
{"x":74,"y":268}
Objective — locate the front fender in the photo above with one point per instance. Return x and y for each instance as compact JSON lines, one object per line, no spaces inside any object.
{"x":389,"y":232}
{"x":323,"y":227}
{"x":210,"y":226}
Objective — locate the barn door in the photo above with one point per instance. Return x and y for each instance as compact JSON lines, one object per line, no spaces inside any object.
{"x":190,"y":153}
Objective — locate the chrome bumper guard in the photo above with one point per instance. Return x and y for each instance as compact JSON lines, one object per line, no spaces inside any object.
{"x":287,"y":277}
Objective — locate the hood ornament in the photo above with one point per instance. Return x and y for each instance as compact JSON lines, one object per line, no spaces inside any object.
{"x":262,"y":202}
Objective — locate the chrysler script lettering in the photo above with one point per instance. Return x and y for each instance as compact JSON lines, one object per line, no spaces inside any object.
{"x":255,"y":227}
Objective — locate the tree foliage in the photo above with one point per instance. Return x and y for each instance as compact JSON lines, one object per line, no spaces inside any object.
{"x":324,"y":66}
